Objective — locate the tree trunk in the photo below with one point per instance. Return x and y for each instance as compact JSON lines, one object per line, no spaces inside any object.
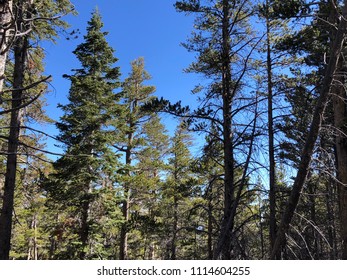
{"x":307,"y":152}
{"x":210,"y":230}
{"x":20,"y":56}
{"x":32,"y":246}
{"x":175,"y":228}
{"x":6,"y":35}
{"x":311,"y":237}
{"x":224,"y":241}
{"x":340,"y":120}
{"x":330,"y":217}
{"x":84,"y":230}
{"x":272,"y":167}
{"x":123,"y":248}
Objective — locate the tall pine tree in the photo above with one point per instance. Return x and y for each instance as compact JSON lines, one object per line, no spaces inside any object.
{"x":224,"y":43}
{"x":85,"y":132}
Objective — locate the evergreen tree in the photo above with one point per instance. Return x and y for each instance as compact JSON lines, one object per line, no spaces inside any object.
{"x":30,"y":239}
{"x":128,"y":136}
{"x":86,"y":134}
{"x":177,"y":190}
{"x":224,"y":42}
{"x":147,"y":208}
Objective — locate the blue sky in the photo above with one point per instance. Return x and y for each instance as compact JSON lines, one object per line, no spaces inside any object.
{"x":137,"y":28}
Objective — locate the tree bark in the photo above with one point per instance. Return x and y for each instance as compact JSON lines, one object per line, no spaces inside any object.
{"x":307,"y":152}
{"x":123,"y":248}
{"x":20,"y":55}
{"x":340,"y":120}
{"x":6,"y":35}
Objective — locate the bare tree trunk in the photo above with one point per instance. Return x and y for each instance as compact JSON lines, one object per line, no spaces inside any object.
{"x":307,"y":152}
{"x":6,"y":35}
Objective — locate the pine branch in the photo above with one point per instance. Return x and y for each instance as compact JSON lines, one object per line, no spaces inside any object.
{"x":30,"y":101}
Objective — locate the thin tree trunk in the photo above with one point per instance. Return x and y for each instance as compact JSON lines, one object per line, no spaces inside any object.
{"x":123,"y":248}
{"x":32,"y":246}
{"x":312,"y":240}
{"x":175,"y":214}
{"x":272,"y":175}
{"x":175,"y":228}
{"x":330,"y":217}
{"x":210,"y":230}
{"x":36,"y":251}
{"x":307,"y":152}
{"x":261,"y":230}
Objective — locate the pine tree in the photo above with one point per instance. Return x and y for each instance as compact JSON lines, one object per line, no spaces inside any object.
{"x":86,"y":133}
{"x":276,"y":94}
{"x":210,"y":171}
{"x":147,"y":178}
{"x":178,"y":188}
{"x":224,"y":43}
{"x":128,"y":139}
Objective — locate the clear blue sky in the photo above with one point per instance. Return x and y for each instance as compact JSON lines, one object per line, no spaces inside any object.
{"x":148,"y":28}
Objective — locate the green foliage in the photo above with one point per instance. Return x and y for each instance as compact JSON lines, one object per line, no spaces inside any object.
{"x":117,"y":151}
{"x":288,"y":9}
{"x":142,"y":138}
{"x":85,"y":132}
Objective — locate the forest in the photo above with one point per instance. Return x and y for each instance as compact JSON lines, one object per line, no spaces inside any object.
{"x":269,"y":180}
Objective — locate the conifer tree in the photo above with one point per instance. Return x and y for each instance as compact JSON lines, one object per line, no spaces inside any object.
{"x":276,"y":95}
{"x":224,"y":43}
{"x":128,"y":139}
{"x":147,"y":178}
{"x":85,"y":132}
{"x":178,"y":187}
